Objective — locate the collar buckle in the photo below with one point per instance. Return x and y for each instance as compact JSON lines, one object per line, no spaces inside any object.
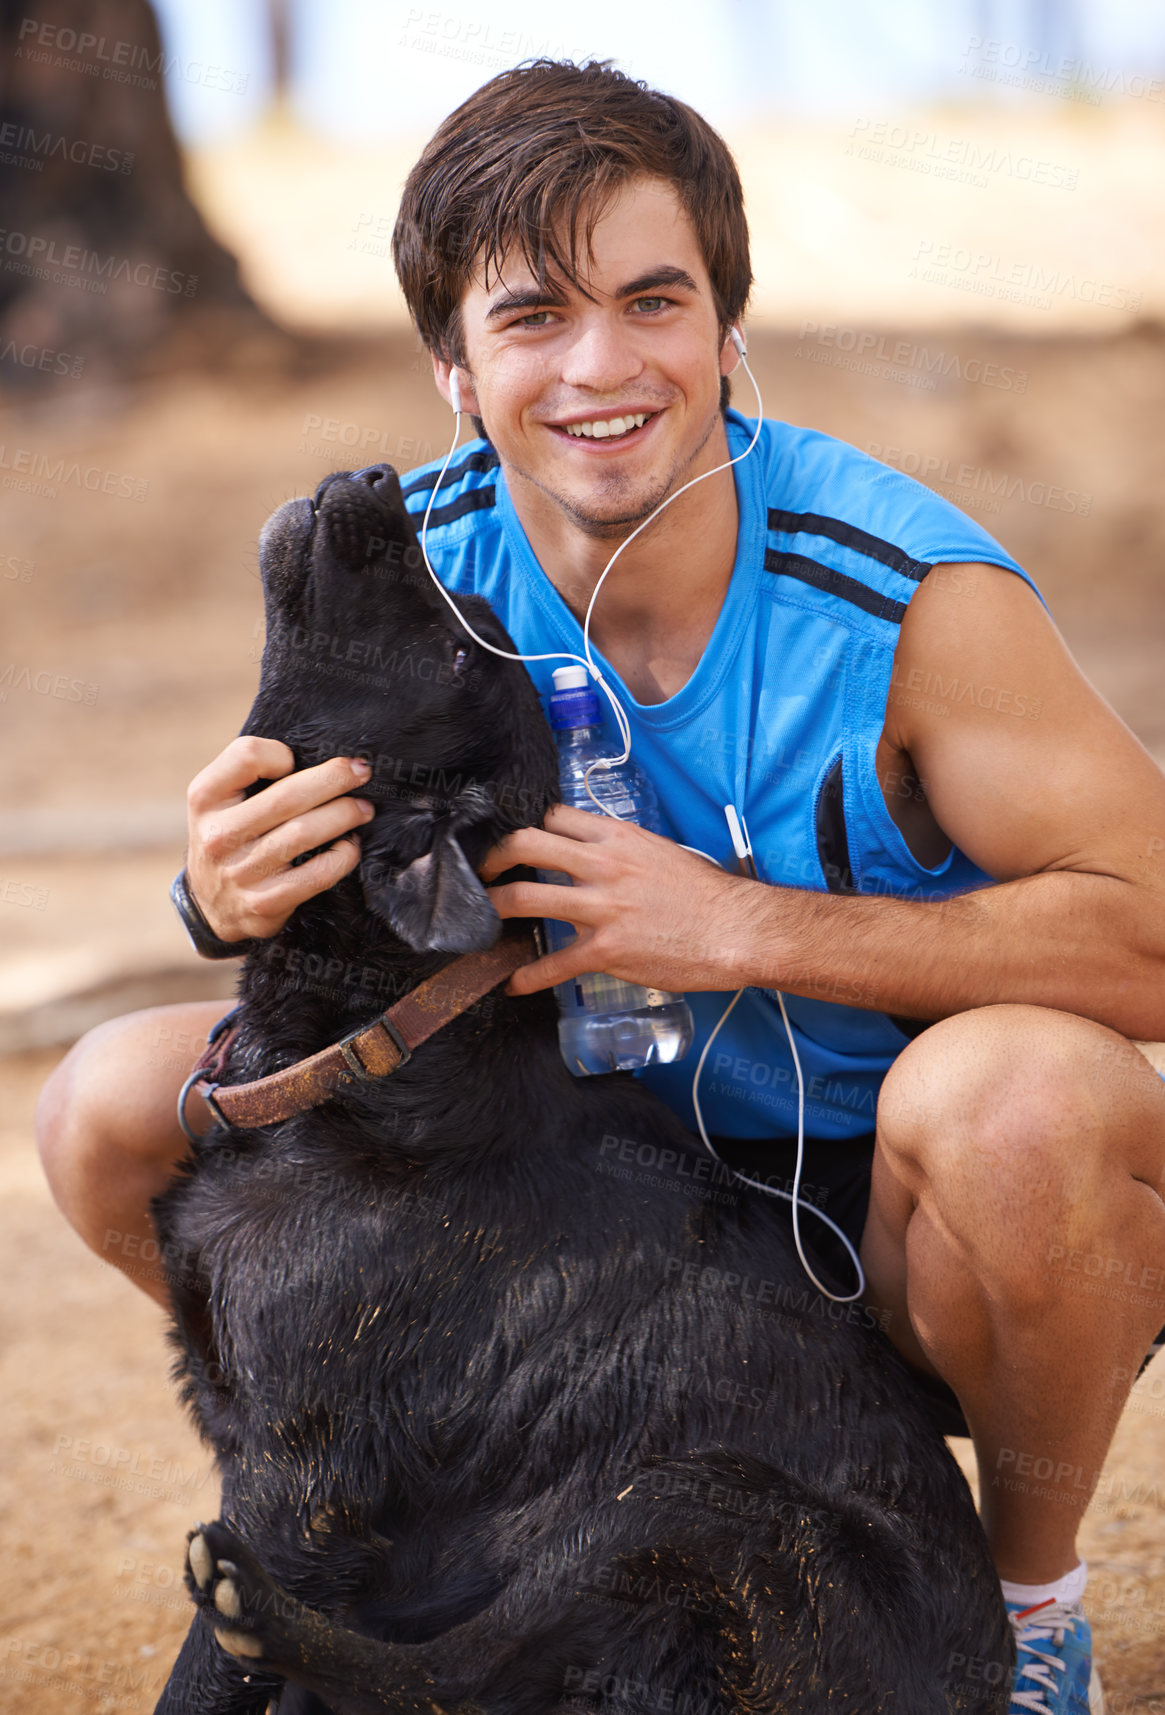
{"x":351,"y":1058}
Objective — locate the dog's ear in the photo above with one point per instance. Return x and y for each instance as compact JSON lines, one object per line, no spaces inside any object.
{"x":436,"y":903}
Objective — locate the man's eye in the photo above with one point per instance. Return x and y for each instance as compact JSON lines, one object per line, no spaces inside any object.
{"x":650,"y":304}
{"x":536,"y":319}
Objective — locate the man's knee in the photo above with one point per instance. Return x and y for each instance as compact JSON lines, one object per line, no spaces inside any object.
{"x":109,"y":1106}
{"x":1017,"y":1107}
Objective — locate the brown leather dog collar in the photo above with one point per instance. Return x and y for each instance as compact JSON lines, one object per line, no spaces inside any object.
{"x":373,"y":1050}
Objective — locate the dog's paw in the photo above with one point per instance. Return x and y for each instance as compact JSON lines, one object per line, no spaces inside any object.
{"x":247,"y":1610}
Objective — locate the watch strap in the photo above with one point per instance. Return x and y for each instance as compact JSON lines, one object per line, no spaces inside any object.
{"x":206,"y":943}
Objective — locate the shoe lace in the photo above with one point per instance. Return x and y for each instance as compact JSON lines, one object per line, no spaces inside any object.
{"x":1040,"y":1671}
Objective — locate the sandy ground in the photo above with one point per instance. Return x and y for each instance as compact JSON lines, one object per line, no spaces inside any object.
{"x":152,"y":607}
{"x":102,"y":1475}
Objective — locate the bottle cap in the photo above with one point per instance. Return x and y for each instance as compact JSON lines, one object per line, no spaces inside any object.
{"x":570,"y":678}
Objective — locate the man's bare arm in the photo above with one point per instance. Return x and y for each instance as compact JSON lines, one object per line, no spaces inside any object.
{"x":1031,"y":774}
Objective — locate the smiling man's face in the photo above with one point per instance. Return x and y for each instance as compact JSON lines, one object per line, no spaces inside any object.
{"x":601,"y":402}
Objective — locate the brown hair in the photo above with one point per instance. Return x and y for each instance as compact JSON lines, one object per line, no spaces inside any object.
{"x":545,"y":146}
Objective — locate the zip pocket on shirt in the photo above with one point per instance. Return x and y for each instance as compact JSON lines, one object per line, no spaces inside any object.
{"x":829,"y":827}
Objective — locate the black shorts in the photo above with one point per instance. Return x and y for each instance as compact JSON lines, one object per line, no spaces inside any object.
{"x":836,"y":1177}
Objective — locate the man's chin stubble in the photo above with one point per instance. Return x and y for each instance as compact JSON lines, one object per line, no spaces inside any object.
{"x":610,"y":526}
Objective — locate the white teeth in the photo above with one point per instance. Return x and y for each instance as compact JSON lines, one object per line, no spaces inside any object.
{"x":607,"y":427}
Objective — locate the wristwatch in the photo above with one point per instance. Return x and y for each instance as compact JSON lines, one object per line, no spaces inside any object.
{"x":206,"y":942}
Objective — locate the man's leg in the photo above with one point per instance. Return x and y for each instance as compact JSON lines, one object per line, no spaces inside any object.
{"x":1017,"y":1234}
{"x":108,"y":1133}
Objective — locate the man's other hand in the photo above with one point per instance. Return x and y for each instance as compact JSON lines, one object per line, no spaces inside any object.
{"x":645,"y":909}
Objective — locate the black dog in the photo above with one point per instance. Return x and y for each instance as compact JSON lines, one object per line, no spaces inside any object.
{"x":501,"y":1429}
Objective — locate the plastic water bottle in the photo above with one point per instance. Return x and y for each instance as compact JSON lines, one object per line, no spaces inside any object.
{"x":606,"y":1025}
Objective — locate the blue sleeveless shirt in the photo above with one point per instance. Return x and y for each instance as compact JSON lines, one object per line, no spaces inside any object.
{"x":781,"y":717}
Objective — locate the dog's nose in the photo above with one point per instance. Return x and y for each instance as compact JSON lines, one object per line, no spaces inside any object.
{"x":379,"y":478}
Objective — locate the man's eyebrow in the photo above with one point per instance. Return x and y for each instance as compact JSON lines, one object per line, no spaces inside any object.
{"x":531,"y":299}
{"x":512,"y":303}
{"x":664,"y":275}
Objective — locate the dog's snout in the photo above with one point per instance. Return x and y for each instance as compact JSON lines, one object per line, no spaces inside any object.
{"x":362,"y":515}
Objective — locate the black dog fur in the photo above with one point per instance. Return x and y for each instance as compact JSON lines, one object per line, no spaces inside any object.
{"x":500,"y":1430}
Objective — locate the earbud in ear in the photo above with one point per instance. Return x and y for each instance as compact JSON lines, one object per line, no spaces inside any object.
{"x":737,"y":339}
{"x":454,"y":391}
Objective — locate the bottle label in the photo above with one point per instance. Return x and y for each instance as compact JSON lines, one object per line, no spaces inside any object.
{"x":596,"y":992}
{"x":577,"y":708}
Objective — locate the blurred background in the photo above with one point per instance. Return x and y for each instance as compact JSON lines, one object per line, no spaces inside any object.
{"x":960,"y":261}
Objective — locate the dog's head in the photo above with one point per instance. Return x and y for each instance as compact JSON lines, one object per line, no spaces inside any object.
{"x":364,"y":657}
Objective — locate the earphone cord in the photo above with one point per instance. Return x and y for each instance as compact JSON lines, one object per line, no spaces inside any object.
{"x":624,"y":727}
{"x":743,"y":847}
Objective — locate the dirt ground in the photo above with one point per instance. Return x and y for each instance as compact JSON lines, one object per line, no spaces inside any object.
{"x":152,"y":606}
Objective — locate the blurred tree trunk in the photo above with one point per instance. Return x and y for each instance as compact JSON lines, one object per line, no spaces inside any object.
{"x":104,"y":258}
{"x":279,"y":34}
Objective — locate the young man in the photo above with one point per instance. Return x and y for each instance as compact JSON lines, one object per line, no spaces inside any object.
{"x":960,"y":846}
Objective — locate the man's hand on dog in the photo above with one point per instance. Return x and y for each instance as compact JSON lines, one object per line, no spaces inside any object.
{"x":240,"y":849}
{"x":646,"y":910}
